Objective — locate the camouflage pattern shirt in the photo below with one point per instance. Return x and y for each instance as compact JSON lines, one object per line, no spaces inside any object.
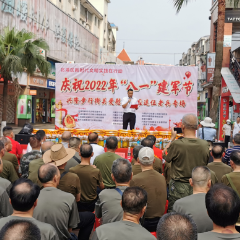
{"x":26,"y":159}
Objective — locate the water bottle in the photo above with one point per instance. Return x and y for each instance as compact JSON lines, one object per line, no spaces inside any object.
{"x":129,"y":154}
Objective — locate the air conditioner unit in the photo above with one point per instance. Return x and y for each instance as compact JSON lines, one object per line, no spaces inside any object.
{"x":74,"y":7}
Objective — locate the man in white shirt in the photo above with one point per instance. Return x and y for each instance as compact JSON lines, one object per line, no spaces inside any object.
{"x":97,"y":150}
{"x":227,"y":132}
{"x":236,"y":126}
{"x":129,"y":115}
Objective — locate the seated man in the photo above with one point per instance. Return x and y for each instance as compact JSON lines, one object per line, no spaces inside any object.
{"x":194,"y":205}
{"x":104,"y":161}
{"x":133,"y":202}
{"x":54,"y":206}
{"x":69,"y":182}
{"x":16,"y":148}
{"x":157,"y":165}
{"x":232,"y":179}
{"x":65,"y":138}
{"x":217,"y":165}
{"x":20,"y":229}
{"x":97,"y":149}
{"x":136,"y":168}
{"x":35,"y":142}
{"x":90,"y":179}
{"x":75,"y":143}
{"x":7,"y":172}
{"x":176,"y":226}
{"x":157,"y":151}
{"x":223,"y":207}
{"x":155,"y":185}
{"x":108,"y":205}
{"x":23,"y":197}
{"x":34,"y":165}
{"x":9,"y":156}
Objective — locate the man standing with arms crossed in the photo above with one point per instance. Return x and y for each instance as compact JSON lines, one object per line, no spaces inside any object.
{"x":129,"y":115}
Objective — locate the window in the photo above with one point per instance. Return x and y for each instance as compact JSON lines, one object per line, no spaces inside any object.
{"x":59,"y":0}
{"x":69,"y":1}
{"x":76,"y":3}
{"x":98,"y":23}
{"x":95,"y":21}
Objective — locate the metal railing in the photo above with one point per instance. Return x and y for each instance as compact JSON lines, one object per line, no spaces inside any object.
{"x":234,"y":67}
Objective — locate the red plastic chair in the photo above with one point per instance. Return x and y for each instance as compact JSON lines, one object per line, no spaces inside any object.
{"x":97,"y":222}
{"x":166,"y":207}
{"x":154,"y":234}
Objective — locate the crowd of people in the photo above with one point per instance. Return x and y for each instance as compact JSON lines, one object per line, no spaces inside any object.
{"x":190,"y":190}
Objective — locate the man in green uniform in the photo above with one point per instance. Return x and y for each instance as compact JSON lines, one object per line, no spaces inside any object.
{"x":232,"y":179}
{"x":184,"y":155}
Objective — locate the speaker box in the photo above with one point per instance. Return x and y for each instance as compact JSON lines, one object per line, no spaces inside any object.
{"x":22,"y":138}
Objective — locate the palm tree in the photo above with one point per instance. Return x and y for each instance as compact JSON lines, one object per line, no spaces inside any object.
{"x":20,"y":52}
{"x":178,"y":4}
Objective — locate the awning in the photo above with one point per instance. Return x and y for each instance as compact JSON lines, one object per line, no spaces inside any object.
{"x":231,"y":84}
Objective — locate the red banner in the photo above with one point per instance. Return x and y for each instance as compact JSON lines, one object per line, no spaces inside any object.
{"x":224,"y":115}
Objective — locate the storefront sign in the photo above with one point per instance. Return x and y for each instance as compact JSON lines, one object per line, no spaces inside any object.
{"x":210,"y":66}
{"x":224,"y":115}
{"x":38,"y":82}
{"x":90,"y":96}
{"x":33,"y":92}
{"x":227,"y":41}
{"x":24,"y":107}
{"x":51,"y":84}
{"x":232,"y":16}
{"x":66,"y":37}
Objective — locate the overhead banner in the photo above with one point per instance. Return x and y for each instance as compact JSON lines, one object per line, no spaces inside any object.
{"x":89,"y":96}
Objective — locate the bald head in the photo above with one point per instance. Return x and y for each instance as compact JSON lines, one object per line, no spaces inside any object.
{"x":23,"y":194}
{"x":93,"y":137}
{"x":20,"y":229}
{"x":47,"y":172}
{"x":190,"y":121}
{"x":5,"y":140}
{"x":201,"y":176}
{"x":217,"y":152}
{"x":66,"y":136}
{"x":46,"y":146}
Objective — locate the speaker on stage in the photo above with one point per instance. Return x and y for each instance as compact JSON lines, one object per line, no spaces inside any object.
{"x":22,"y":138}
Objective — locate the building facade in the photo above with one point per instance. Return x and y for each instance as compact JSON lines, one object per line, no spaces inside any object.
{"x":196,"y":55}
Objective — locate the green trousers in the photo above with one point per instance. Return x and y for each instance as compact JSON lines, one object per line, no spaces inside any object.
{"x":178,"y":190}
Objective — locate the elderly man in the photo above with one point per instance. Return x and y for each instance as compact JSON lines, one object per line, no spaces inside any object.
{"x":108,"y":205}
{"x":75,"y":143}
{"x":176,"y":226}
{"x":207,"y":131}
{"x":194,"y":205}
{"x":184,"y":154}
{"x":133,"y":202}
{"x":65,"y":138}
{"x":37,"y":163}
{"x":157,"y":151}
{"x":104,"y":161}
{"x":8,"y":172}
{"x":20,"y":229}
{"x":223,"y":207}
{"x":97,"y":150}
{"x":23,"y":197}
{"x":136,"y":168}
{"x":155,"y":186}
{"x":54,"y":206}
{"x":9,"y":156}
{"x":90,"y":178}
{"x":217,"y":166}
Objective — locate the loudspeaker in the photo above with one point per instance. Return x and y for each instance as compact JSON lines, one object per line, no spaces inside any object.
{"x":22,"y":138}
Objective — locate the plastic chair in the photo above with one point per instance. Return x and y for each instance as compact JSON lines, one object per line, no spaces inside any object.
{"x":166,"y":207}
{"x":154,"y":234}
{"x":97,"y":222}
